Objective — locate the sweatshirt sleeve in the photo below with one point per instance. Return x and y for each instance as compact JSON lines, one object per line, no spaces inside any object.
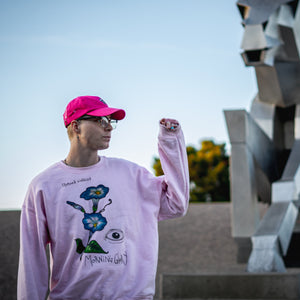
{"x":175,"y":184}
{"x":33,"y":266}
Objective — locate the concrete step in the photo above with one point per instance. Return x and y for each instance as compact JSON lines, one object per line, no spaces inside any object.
{"x":272,"y":286}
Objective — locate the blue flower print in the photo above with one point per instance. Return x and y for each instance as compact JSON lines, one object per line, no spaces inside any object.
{"x":94,"y":222}
{"x":97,"y":192}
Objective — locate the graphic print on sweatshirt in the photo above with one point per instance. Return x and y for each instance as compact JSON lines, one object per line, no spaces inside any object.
{"x":95,"y":222}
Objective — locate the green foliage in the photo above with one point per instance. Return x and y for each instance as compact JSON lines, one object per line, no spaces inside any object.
{"x":158,"y":171}
{"x":209,"y":174}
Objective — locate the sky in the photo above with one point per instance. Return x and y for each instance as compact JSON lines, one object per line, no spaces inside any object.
{"x":155,"y":59}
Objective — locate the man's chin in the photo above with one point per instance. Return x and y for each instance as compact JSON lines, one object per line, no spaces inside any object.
{"x":103,"y":147}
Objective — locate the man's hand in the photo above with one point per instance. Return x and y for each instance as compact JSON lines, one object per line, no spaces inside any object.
{"x":169,"y":124}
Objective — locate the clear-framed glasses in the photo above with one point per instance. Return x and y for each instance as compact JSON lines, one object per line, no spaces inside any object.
{"x":103,"y":121}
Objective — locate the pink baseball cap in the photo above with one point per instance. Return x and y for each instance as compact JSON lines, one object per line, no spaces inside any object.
{"x":92,"y":106}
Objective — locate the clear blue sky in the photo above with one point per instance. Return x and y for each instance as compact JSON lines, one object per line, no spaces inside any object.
{"x":158,"y":58}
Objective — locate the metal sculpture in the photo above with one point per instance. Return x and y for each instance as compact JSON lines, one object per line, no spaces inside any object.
{"x":265,"y":142}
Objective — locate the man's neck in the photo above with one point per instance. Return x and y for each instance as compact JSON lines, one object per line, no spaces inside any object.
{"x":80,"y":160}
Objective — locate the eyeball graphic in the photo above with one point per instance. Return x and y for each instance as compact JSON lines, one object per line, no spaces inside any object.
{"x":115,"y":236}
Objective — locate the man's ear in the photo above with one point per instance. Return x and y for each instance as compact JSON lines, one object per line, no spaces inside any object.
{"x":75,"y":126}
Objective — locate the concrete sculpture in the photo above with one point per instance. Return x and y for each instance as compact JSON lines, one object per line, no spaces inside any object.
{"x":265,"y":142}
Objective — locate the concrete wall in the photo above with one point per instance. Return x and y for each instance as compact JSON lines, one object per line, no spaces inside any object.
{"x":271,"y":286}
{"x":9,"y":253}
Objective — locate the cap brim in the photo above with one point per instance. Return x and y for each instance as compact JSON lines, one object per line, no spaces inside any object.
{"x":117,"y":114}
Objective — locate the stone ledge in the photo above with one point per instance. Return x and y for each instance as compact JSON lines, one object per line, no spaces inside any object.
{"x":273,"y":286}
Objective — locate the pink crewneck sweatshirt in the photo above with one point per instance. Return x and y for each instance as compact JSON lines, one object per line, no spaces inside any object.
{"x":101,"y":224}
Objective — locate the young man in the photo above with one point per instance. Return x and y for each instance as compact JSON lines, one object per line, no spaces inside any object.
{"x":99,"y":214}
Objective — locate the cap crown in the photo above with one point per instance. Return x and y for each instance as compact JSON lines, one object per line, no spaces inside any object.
{"x":90,"y":105}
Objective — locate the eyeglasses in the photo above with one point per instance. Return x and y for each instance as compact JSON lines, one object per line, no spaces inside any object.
{"x":103,"y":121}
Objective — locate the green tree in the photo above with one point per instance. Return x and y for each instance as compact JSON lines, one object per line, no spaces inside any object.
{"x":209,"y":174}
